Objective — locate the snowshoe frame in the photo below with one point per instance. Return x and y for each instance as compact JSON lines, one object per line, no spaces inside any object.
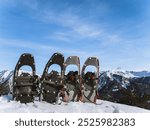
{"x":73,"y":89}
{"x":91,"y":96}
{"x":50,"y":88}
{"x":24,"y":87}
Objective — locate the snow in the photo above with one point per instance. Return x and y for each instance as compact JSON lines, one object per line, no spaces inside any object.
{"x":9,"y":106}
{"x":128,"y":74}
{"x":144,"y":73}
{"x":123,"y":73}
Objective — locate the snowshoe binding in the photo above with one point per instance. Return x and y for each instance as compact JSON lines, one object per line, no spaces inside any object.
{"x":52,"y":82}
{"x":72,"y":79}
{"x":90,"y":80}
{"x":25,"y":84}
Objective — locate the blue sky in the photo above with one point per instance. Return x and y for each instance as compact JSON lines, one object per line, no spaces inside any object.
{"x":116,"y":31}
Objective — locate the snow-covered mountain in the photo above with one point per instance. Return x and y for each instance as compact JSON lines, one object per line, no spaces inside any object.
{"x":144,"y":73}
{"x":124,"y":87}
{"x":6,"y":79}
{"x":4,"y":75}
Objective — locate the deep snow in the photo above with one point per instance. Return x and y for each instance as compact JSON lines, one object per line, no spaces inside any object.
{"x":9,"y":106}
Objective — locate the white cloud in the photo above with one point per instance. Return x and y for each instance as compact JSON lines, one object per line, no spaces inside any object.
{"x":87,"y":31}
{"x":32,"y":4}
{"x":61,"y":35}
{"x":74,"y":24}
{"x":75,"y":27}
{"x":23,"y":44}
{"x":66,"y":19}
{"x":40,"y":47}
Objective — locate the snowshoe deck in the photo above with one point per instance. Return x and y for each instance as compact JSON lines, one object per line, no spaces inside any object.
{"x":25,"y":84}
{"x":90,"y":80}
{"x":52,"y":83}
{"x":72,"y":79}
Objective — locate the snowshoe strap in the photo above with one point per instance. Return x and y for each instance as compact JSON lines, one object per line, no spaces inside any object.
{"x":88,"y":99}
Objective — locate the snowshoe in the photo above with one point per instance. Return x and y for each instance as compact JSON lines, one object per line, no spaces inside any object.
{"x":25,"y":84}
{"x":72,"y":79}
{"x":52,"y":82}
{"x":90,"y":80}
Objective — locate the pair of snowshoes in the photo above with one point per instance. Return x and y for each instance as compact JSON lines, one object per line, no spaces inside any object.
{"x":27,"y":85}
{"x":54,"y":85}
{"x":82,"y":86}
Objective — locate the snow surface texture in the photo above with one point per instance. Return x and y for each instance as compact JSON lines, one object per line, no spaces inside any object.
{"x":9,"y":106}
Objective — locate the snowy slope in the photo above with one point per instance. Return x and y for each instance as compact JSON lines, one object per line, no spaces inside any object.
{"x":8,"y":106}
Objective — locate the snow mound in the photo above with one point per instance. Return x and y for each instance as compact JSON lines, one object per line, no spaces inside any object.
{"x":9,"y":106}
